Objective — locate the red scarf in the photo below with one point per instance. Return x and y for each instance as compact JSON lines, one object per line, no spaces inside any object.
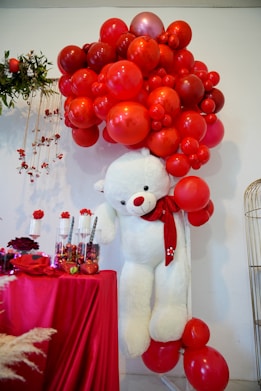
{"x":163,"y":211}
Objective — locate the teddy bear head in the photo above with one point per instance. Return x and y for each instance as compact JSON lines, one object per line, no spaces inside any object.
{"x":135,"y":182}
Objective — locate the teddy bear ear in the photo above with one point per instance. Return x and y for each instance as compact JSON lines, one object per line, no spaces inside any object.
{"x":99,"y":186}
{"x":145,"y":151}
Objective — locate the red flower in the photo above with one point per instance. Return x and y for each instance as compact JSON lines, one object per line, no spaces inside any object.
{"x":85,"y":212}
{"x":65,"y":215}
{"x":38,"y":214}
{"x":23,"y":244}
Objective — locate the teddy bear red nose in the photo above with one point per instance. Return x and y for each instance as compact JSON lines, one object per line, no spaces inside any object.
{"x":138,"y":201}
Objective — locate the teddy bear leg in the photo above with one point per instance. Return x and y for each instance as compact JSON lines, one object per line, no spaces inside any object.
{"x":135,"y":291}
{"x":170,"y":313}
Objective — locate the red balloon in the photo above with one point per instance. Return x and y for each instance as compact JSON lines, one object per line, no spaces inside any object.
{"x":182,"y":31}
{"x":107,"y":137}
{"x":166,"y":58}
{"x":81,"y":82}
{"x":167,"y":97}
{"x":99,"y":55}
{"x":214,"y":134}
{"x":162,"y":357}
{"x":196,"y":334}
{"x":71,"y":58}
{"x":183,"y":59}
{"x":202,"y":216}
{"x":190,"y":89}
{"x":102,"y":106}
{"x":144,"y":52}
{"x":128,"y":122}
{"x":177,"y":165}
{"x":191,"y":124}
{"x":124,"y":80}
{"x":81,"y":113}
{"x":65,"y":85}
{"x":206,"y":369}
{"x":191,"y":193}
{"x":85,"y":137}
{"x":163,"y":143}
{"x":111,"y":30}
{"x":147,"y":23}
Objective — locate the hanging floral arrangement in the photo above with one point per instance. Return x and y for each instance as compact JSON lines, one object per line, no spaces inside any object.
{"x":23,"y":75}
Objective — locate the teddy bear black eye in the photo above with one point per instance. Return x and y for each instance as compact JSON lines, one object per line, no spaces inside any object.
{"x":146,"y":188}
{"x":123,"y":202}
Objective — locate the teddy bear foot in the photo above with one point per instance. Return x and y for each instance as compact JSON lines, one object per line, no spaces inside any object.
{"x":134,"y":337}
{"x":167,"y":324}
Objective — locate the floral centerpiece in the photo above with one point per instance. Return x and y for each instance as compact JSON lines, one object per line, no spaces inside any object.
{"x":22,"y":75}
{"x":35,"y":225}
{"x":85,"y":221}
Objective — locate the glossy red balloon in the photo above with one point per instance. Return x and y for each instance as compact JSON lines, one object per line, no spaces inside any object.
{"x":71,"y":58}
{"x":99,"y":55}
{"x":191,"y":124}
{"x":214,"y":134}
{"x":191,"y":193}
{"x":128,"y":122}
{"x":124,"y":80}
{"x":178,"y":165}
{"x":166,"y":60}
{"x":163,"y":143}
{"x":85,"y":137}
{"x":147,"y":23}
{"x":196,"y":334}
{"x":81,"y":113}
{"x":167,"y":97}
{"x":190,"y":89}
{"x":183,"y":60}
{"x":81,"y":82}
{"x":144,"y":52}
{"x":65,"y":85}
{"x":182,"y":31}
{"x":206,"y":369}
{"x":202,"y":216}
{"x":162,"y":357}
{"x":102,"y":106}
{"x":111,"y":30}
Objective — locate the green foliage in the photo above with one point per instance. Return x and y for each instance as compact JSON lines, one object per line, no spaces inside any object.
{"x":31,"y":76}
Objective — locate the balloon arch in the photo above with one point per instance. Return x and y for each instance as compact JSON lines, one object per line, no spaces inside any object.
{"x":140,"y":86}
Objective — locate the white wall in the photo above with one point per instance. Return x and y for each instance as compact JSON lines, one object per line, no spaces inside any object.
{"x":228,"y":41}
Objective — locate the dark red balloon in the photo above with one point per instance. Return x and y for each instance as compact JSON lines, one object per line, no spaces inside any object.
{"x":162,"y":357}
{"x":206,"y":369}
{"x":202,"y":216}
{"x":71,"y":58}
{"x":182,"y":31}
{"x":111,"y":30}
{"x":85,"y":137}
{"x":190,"y":89}
{"x":99,"y":55}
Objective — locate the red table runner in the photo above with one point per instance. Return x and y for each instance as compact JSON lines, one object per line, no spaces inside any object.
{"x":83,"y":354}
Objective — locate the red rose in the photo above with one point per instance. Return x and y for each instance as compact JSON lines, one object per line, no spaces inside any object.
{"x":38,"y":214}
{"x":85,"y":212}
{"x":65,"y":215}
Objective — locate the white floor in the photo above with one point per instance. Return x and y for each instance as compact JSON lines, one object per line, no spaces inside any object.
{"x":156,"y":383}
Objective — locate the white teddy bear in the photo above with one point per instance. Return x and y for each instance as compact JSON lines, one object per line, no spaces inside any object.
{"x":153,"y":287}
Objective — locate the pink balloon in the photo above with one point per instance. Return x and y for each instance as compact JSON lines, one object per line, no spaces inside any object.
{"x":214,"y":134}
{"x":147,"y":23}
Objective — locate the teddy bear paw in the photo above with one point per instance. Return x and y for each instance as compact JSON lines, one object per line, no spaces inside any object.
{"x":167,"y":324}
{"x":134,"y":337}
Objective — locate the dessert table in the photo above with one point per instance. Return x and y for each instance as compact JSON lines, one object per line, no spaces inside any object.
{"x":83,"y":354}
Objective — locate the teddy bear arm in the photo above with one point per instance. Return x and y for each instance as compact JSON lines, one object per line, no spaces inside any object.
{"x":106,"y":222}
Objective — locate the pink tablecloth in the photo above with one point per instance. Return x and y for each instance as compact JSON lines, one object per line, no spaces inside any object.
{"x":83,"y":354}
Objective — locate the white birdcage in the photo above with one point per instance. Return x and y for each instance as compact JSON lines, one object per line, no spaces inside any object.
{"x":252,"y":208}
